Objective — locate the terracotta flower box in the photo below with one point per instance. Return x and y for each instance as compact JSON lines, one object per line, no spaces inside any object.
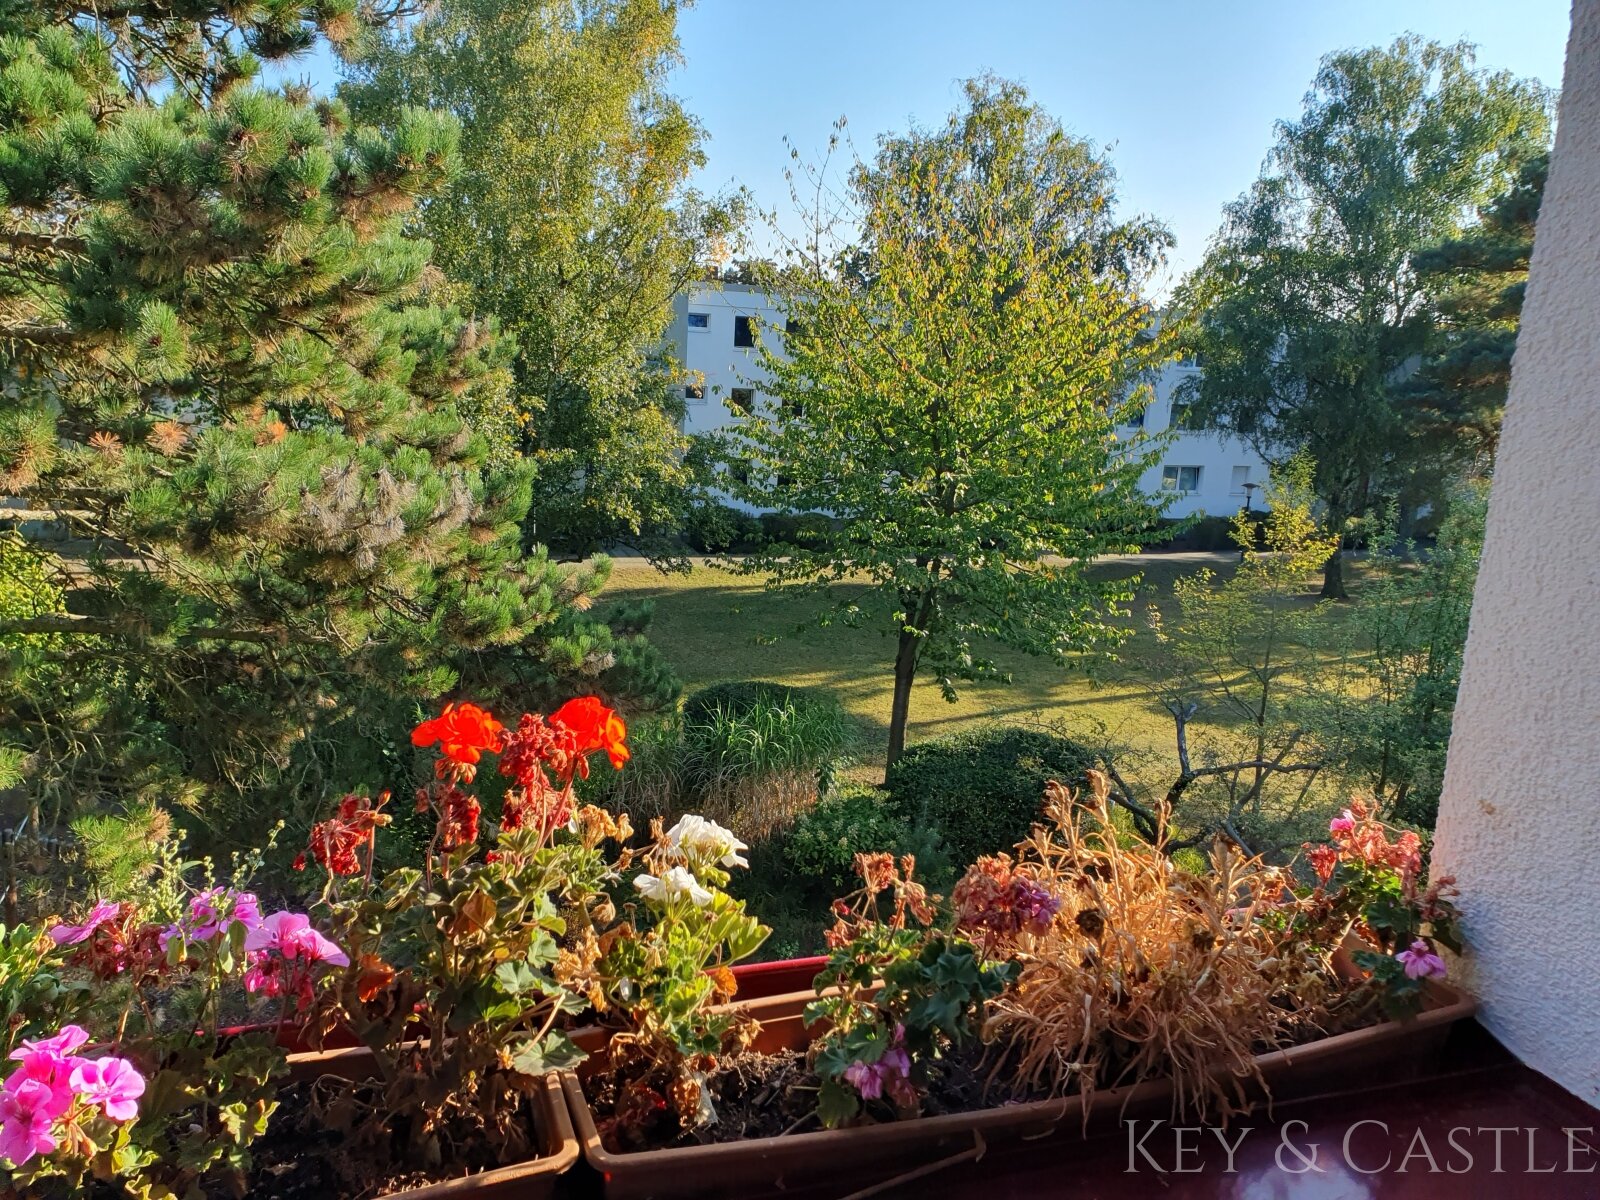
{"x":530,"y":1180}
{"x":860,"y":1157}
{"x":789,"y":979}
{"x":762,"y":979}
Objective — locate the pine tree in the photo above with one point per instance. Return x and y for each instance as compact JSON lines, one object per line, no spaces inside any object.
{"x":232,"y":421}
{"x":1457,"y":397}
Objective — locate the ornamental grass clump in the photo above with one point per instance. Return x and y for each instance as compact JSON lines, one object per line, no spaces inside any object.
{"x":1144,"y":969}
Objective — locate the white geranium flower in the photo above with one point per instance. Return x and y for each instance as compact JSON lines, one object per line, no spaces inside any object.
{"x":671,"y":885}
{"x":702,"y":841}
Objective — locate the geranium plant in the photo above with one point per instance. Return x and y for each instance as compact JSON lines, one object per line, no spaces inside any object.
{"x":166,"y":1103}
{"x":464,"y":972}
{"x":1369,"y":886}
{"x":666,"y":968}
{"x":897,"y":993}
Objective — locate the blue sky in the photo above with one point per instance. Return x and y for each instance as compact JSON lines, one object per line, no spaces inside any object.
{"x":1183,"y":95}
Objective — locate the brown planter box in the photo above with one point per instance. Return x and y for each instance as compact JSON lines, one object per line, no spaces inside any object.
{"x":859,"y":1157}
{"x":531,"y":1180}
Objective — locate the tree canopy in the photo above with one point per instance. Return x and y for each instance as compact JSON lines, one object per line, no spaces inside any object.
{"x":948,"y":391}
{"x":571,"y":220}
{"x":1458,"y":395}
{"x":1312,"y":309}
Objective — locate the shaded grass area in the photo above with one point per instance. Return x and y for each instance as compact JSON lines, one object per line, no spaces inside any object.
{"x":715,"y":625}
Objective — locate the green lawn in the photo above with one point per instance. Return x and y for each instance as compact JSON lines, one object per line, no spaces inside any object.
{"x":715,"y":625}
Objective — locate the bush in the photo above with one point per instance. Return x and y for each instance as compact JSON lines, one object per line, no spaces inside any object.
{"x":740,"y":696}
{"x":713,"y":528}
{"x":1207,"y":532}
{"x":821,"y":848}
{"x":982,"y":790}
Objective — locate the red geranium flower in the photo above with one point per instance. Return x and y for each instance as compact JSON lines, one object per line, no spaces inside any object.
{"x":595,"y":726}
{"x":463,"y":731}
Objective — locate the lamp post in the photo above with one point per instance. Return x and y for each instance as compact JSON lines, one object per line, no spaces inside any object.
{"x":1249,"y":495}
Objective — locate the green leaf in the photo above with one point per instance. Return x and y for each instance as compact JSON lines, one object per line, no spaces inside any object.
{"x":556,"y":1052}
{"x":837,"y":1104}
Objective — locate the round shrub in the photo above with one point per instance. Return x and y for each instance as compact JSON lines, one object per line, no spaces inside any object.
{"x":713,"y":528}
{"x":820,"y":850}
{"x":982,"y":790}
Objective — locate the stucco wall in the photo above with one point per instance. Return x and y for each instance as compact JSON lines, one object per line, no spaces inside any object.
{"x":1519,"y":825}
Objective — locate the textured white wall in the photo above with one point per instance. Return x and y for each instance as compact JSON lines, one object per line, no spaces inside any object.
{"x":1519,"y":824}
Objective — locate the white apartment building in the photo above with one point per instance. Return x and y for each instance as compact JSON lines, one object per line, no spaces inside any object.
{"x":713,"y":336}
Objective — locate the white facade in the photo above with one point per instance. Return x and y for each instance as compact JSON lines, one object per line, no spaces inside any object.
{"x":1207,"y":470}
{"x":1519,"y":820}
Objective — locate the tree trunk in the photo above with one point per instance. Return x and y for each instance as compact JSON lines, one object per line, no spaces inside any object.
{"x":1333,"y":576}
{"x":905,"y":674}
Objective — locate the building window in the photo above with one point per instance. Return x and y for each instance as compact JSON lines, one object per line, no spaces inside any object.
{"x":1241,"y":476}
{"x":694,"y":391}
{"x":744,"y":399}
{"x":699,"y":320}
{"x":743,"y":335}
{"x":1180,"y":479}
{"x":1183,"y":416}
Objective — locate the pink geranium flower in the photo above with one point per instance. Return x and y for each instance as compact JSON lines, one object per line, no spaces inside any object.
{"x":865,"y":1078}
{"x":49,"y":1062}
{"x":212,"y":911}
{"x":71,"y":935}
{"x":291,"y":935}
{"x":1421,"y":962}
{"x":1343,"y":824}
{"x":111,"y":1084}
{"x":28,"y":1113}
{"x":64,"y":1043}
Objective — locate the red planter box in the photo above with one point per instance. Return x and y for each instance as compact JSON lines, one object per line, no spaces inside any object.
{"x":759,"y":980}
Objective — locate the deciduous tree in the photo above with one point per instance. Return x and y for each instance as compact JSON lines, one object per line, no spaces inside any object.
{"x":570,"y":219}
{"x":1313,"y":310}
{"x":948,"y":392}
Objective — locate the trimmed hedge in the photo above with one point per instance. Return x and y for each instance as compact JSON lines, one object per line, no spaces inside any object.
{"x":982,"y":791}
